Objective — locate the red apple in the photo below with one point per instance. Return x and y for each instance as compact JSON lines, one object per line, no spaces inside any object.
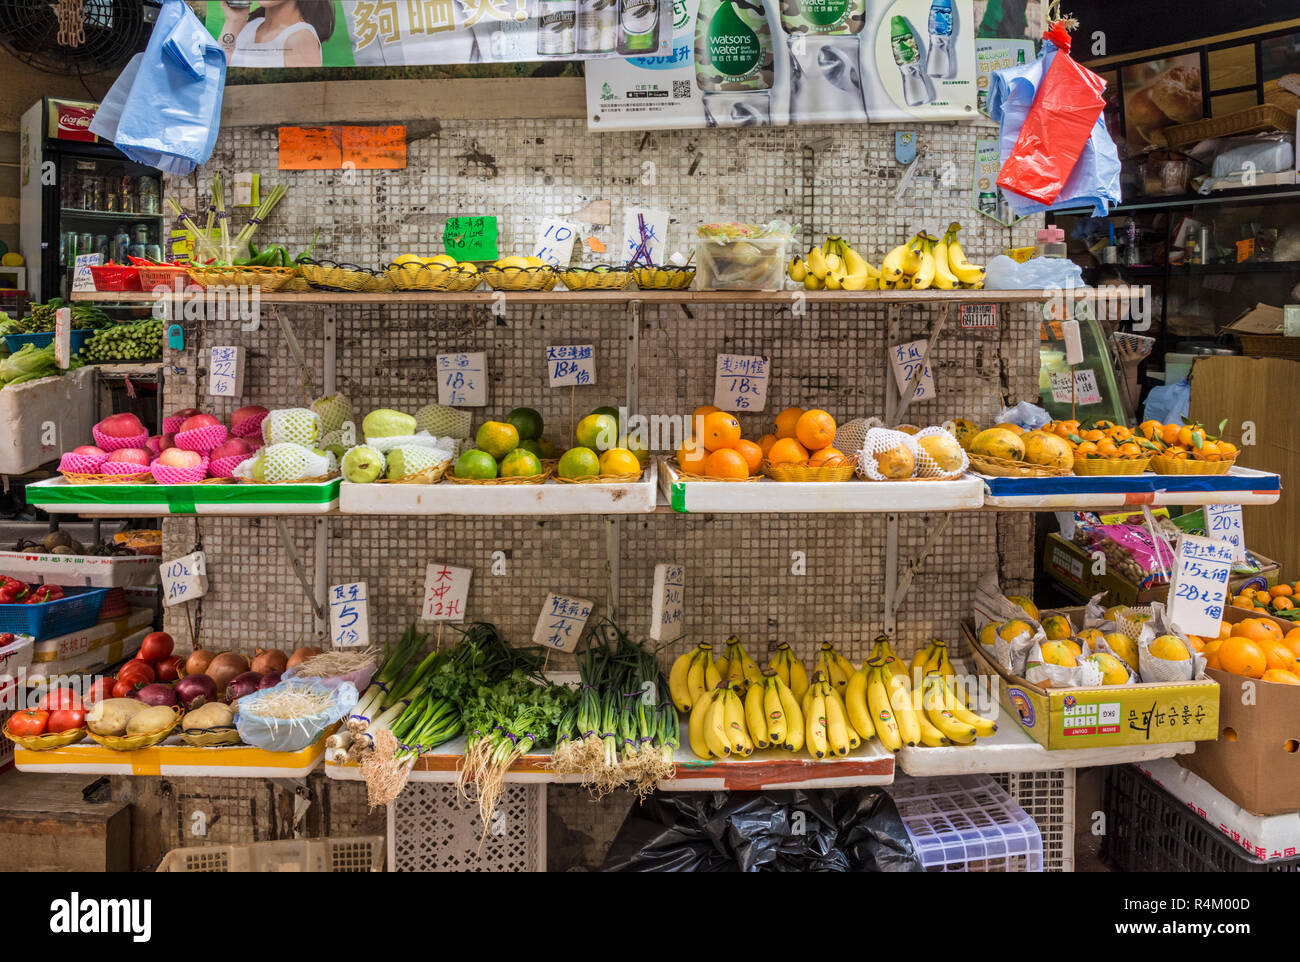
{"x":197,"y":422}
{"x":180,"y":458}
{"x":243,"y":414}
{"x":131,"y":456}
{"x":89,"y":450}
{"x":235,"y":447}
{"x":168,"y":441}
{"x":121,"y":426}
{"x":186,"y":413}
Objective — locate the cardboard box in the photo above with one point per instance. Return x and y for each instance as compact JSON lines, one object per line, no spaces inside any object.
{"x":1071,"y":566}
{"x":96,"y":571}
{"x":1254,"y":762}
{"x":1260,"y":330}
{"x":1105,"y":716}
{"x":101,"y":635}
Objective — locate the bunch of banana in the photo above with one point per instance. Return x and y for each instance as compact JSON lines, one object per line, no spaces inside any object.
{"x":889,"y":701}
{"x":737,"y":667}
{"x":948,"y":252}
{"x":883,"y":653}
{"x":716,"y":727}
{"x":790,"y":670}
{"x":827,"y":730}
{"x":834,"y":667}
{"x":834,"y":266}
{"x":692,"y":676}
{"x":773,"y":715}
{"x":943,"y":703}
{"x":901,"y":266}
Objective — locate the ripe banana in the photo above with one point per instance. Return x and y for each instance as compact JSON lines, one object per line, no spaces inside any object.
{"x":900,"y":699}
{"x":935,"y":702}
{"x":756,"y":715}
{"x":944,"y":278}
{"x":931,"y":737}
{"x":734,"y":720}
{"x":817,"y":265}
{"x":798,"y":677}
{"x":780,"y":663}
{"x":738,"y":658}
{"x":695,"y":726}
{"x":797,"y":269}
{"x":837,"y":729}
{"x":682,"y":697}
{"x":773,"y":712}
{"x":712,"y":677}
{"x":924,"y":276}
{"x":855,"y":704}
{"x":715,"y":726}
{"x":984,"y":727}
{"x":794,"y":727}
{"x":697,"y":675}
{"x":815,"y":724}
{"x":882,"y":716}
{"x":834,"y":280}
{"x":965,"y":272}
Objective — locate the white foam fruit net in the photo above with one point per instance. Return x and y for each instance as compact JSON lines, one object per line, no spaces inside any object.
{"x":851,"y":435}
{"x":292,"y":426}
{"x":887,"y":455}
{"x":955,"y":462}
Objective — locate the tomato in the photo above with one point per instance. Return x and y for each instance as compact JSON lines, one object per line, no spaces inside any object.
{"x":101,"y":689}
{"x":122,"y":689}
{"x":156,"y":646}
{"x":29,"y":722}
{"x":169,"y":669}
{"x":136,"y":672}
{"x":60,"y":698}
{"x":65,"y":720}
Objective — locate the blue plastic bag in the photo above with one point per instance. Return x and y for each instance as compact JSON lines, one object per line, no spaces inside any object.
{"x":1095,"y":178}
{"x":164,"y":110}
{"x":290,"y":734}
{"x":1038,"y":273}
{"x":1169,"y":403}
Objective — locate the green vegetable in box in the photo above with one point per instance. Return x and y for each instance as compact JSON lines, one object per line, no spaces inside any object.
{"x":139,"y":341}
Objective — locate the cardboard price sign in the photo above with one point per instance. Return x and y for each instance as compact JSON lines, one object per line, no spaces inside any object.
{"x":82,"y":279}
{"x":568,"y":364}
{"x":560,"y":624}
{"x":740,"y":382}
{"x":1223,"y":521}
{"x":554,"y":242}
{"x":349,"y":615}
{"x":1085,"y":390}
{"x":445,"y":591}
{"x":906,"y":359}
{"x":668,"y":608}
{"x":63,"y":337}
{"x":462,"y":379}
{"x":226,"y":371}
{"x":471,"y":238}
{"x":1199,"y":587}
{"x":184,"y":579}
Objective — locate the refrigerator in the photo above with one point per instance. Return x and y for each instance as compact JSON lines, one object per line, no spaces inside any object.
{"x":79,"y":194}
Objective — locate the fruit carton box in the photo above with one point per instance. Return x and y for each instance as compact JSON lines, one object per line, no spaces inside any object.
{"x":98,"y":571}
{"x":1254,"y":762}
{"x":101,"y":635}
{"x":1104,"y":716}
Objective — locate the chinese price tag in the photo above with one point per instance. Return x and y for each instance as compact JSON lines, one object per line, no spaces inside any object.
{"x":445,"y":591}
{"x":666,"y":613}
{"x":226,"y":371}
{"x":975,"y":316}
{"x":1199,"y":587}
{"x":184,"y":579}
{"x":63,"y":337}
{"x":462,"y":379}
{"x":1085,"y":387}
{"x":1223,"y":521}
{"x":82,"y":279}
{"x":740,"y":382}
{"x":645,"y":234}
{"x":554,"y":242}
{"x":349,"y":616}
{"x":571,"y":364}
{"x":906,"y":359}
{"x":471,"y":238}
{"x":559,"y":626}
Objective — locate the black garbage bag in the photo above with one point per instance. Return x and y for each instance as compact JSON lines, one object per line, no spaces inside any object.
{"x":827,"y":830}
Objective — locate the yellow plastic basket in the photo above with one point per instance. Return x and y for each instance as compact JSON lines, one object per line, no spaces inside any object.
{"x":1110,"y":466}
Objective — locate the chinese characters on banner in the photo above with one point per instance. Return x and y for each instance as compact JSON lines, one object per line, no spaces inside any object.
{"x":1159,"y":716}
{"x":1199,"y":587}
{"x":568,"y":364}
{"x":349,"y":616}
{"x":462,"y":379}
{"x":668,"y":608}
{"x":560,"y":624}
{"x":226,"y":371}
{"x":740,"y":382}
{"x":184,"y":579}
{"x":445,"y":591}
{"x":906,"y":359}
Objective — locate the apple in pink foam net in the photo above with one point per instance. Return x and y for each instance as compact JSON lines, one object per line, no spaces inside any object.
{"x":186,"y":413}
{"x":131,"y":456}
{"x":196,"y":422}
{"x":89,"y":450}
{"x":121,"y":426}
{"x":243,"y":414}
{"x":180,"y":458}
{"x":235,"y":447}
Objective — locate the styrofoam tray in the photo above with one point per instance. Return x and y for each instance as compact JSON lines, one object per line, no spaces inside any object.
{"x":790,"y":497}
{"x":1238,"y":486}
{"x":634,"y":497}
{"x":98,"y":571}
{"x":57,"y":496}
{"x":172,"y":757}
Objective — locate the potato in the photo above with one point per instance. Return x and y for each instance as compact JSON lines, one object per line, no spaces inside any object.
{"x":150,"y":720}
{"x":110,"y":716}
{"x":212,"y":715}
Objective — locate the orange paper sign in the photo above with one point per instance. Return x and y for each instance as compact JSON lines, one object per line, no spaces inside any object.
{"x":339,"y":147}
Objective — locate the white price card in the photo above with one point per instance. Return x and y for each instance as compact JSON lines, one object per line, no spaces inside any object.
{"x":462,"y":379}
{"x":740,"y":382}
{"x":445,"y":590}
{"x":645,"y":235}
{"x":226,"y":371}
{"x":184,"y":579}
{"x":976,"y":316}
{"x":349,"y":615}
{"x":82,"y":279}
{"x":568,"y":364}
{"x":554,"y":242}
{"x":906,"y":359}
{"x":1199,"y":587}
{"x":560,"y":624}
{"x":63,"y":337}
{"x":1223,"y":521}
{"x":668,"y":607}
{"x":1085,"y":390}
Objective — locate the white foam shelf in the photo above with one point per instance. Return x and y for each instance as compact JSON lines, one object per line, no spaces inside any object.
{"x":172,"y":757}
{"x":1239,"y":486}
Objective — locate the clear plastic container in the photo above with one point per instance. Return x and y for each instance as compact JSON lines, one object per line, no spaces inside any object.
{"x":742,"y":257}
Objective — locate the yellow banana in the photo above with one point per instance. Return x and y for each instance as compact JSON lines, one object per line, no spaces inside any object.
{"x":797,"y":269}
{"x":712,"y":677}
{"x":756,"y":714}
{"x":892,"y":266}
{"x":715,"y":726}
{"x":735,"y":668}
{"x":900,"y":699}
{"x":984,"y":727}
{"x":696,"y":684}
{"x":917,"y":668}
{"x":815,"y":725}
{"x":805,"y":703}
{"x":780,"y":663}
{"x":839,"y":735}
{"x":833,"y":262}
{"x":882,"y":716}
{"x":935,"y":702}
{"x":749,"y":669}
{"x":964,"y":271}
{"x":817,"y":265}
{"x":904,"y":283}
{"x":855,"y":704}
{"x":794,"y":732}
{"x":682,"y":696}
{"x":944,"y":278}
{"x":734,"y":720}
{"x":798,"y":677}
{"x":721,"y":664}
{"x":834,"y":280}
{"x":812,"y":282}
{"x":695,"y":726}
{"x":855,"y":263}
{"x":774,"y":712}
{"x":924,"y":276}
{"x":931,"y":737}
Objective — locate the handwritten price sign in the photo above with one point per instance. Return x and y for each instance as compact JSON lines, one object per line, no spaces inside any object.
{"x":740,"y":382}
{"x":1085,"y":390}
{"x":471,"y":238}
{"x":226,"y":371}
{"x":1223,"y":521}
{"x":554,"y":242}
{"x":668,"y":608}
{"x":349,"y":615}
{"x":560,"y":624}
{"x":906,"y":360}
{"x":445,"y":591}
{"x":568,"y":364}
{"x":462,"y":379}
{"x":184,"y":579}
{"x":1199,"y":587}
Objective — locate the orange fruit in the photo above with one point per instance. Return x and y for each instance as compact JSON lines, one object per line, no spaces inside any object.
{"x":1121,"y":432}
{"x":1241,"y":656}
{"x":1278,"y":654}
{"x":1107,"y":448}
{"x":786,"y":421}
{"x":827,"y":455}
{"x":1227,"y":450}
{"x":1149,"y":429}
{"x":1093,"y":435}
{"x":697,"y":419}
{"x":1255,"y":629}
{"x":766,"y":442}
{"x":1129,"y":450}
{"x":1197,"y":642}
{"x":751,"y":452}
{"x":1262,"y":597}
{"x":691,"y":456}
{"x":1209,"y":451}
{"x":1292,"y":637}
{"x":1225,"y":630}
{"x":1273,"y":630}
{"x":1282,"y":603}
{"x":787,"y":451}
{"x":1085,"y":449}
{"x":721,"y":430}
{"x":815,"y":430}
{"x":726,"y":463}
{"x":1212,"y":661}
{"x":1279,"y":677}
{"x":1278,"y":590}
{"x":1169,"y":433}
{"x":1211,"y":647}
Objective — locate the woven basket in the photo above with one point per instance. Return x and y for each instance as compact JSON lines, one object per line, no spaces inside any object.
{"x":602,"y":478}
{"x":1163,"y":465}
{"x":1250,"y":120}
{"x":594,"y":279}
{"x":686,"y":476}
{"x":803,"y":472}
{"x":267,"y":278}
{"x":663,"y":278}
{"x":548,"y":470}
{"x":210,"y":737}
{"x":73,"y":477}
{"x":1003,"y":468}
{"x":44,"y":743}
{"x":428,"y":476}
{"x":424,"y":277}
{"x":1110,"y":466}
{"x":319,"y":479}
{"x":130,"y":743}
{"x":519,"y":278}
{"x":333,"y":276}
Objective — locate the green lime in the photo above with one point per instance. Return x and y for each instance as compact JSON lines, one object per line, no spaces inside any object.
{"x":476,"y":465}
{"x":598,"y":432}
{"x":548,"y":449}
{"x":579,"y":463}
{"x":497,"y":438}
{"x":520,"y":464}
{"x":534,"y":447}
{"x":527,"y":422}
{"x":612,"y":412}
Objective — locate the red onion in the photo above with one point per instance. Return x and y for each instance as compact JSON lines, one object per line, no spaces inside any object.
{"x":245,"y":684}
{"x":269,"y":680}
{"x":194,"y":691}
{"x":157,"y":694}
{"x":169,"y":669}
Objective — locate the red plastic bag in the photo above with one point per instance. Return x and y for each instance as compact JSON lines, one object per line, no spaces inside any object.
{"x":1057,"y":126}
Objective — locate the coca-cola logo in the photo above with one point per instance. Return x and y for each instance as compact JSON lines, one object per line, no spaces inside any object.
{"x":74,"y":122}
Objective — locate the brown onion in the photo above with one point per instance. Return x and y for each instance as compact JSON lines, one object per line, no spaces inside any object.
{"x":226,"y":667}
{"x":198,"y":661}
{"x":268,"y":660}
{"x":302,"y":654}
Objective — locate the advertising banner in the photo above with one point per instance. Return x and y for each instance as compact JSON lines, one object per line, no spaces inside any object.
{"x":738,"y":63}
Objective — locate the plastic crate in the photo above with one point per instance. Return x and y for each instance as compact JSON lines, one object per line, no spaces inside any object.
{"x":76,"y":610}
{"x":431,"y":828}
{"x":76,"y":340}
{"x":967,"y":823}
{"x":1048,"y":798}
{"x":359,"y":854}
{"x":1148,"y":830}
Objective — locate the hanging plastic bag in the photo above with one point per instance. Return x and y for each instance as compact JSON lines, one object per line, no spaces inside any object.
{"x":165,"y":108}
{"x":1169,"y":403}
